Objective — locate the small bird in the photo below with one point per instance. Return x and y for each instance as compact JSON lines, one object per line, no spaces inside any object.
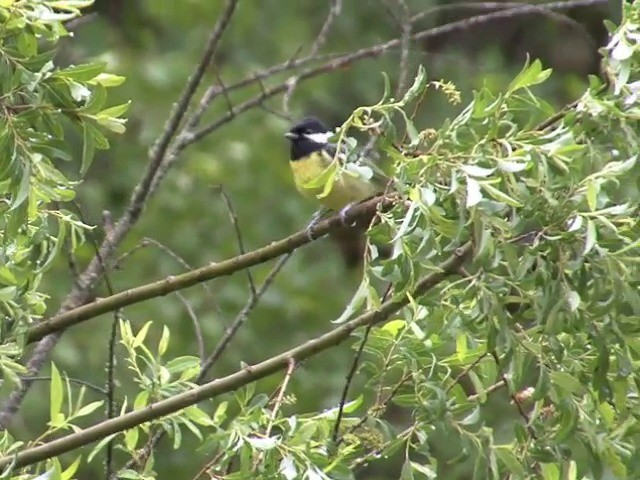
{"x":312,"y":154}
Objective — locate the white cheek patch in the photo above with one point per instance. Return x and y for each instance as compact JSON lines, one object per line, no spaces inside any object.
{"x":319,"y":137}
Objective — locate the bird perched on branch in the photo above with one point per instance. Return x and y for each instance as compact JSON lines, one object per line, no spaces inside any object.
{"x":336,"y":178}
{"x":312,"y":155}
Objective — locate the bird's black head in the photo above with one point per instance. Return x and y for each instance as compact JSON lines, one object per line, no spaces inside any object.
{"x":307,"y":136}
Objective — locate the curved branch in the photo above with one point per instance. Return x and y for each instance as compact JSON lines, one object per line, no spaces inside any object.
{"x":236,"y":380}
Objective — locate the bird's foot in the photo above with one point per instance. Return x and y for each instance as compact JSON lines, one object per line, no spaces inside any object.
{"x":343,"y":214}
{"x":314,"y":221}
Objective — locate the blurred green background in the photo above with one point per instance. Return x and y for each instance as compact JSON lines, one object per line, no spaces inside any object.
{"x":156,"y":46}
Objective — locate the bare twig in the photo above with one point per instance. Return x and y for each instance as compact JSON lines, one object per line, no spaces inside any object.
{"x":241,"y":318}
{"x":276,"y":407}
{"x":347,"y":383}
{"x":77,"y":381}
{"x":405,"y":22}
{"x":465,"y":371}
{"x":321,"y":39}
{"x":278,"y":402}
{"x":196,"y":325}
{"x":111,"y":386}
{"x":292,"y":82}
{"x":545,"y":9}
{"x":375,"y":51}
{"x":521,"y":412}
{"x":233,"y":217}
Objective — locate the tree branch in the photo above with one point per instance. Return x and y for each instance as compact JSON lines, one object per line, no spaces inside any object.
{"x":215,"y":270}
{"x":236,"y":380}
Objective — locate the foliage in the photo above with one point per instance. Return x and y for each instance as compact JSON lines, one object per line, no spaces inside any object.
{"x":42,"y":105}
{"x":545,"y":310}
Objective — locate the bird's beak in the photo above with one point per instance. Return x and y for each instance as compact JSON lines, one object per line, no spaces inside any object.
{"x":290,"y":135}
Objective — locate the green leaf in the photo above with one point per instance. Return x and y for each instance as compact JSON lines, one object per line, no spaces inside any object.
{"x":182,"y":363}
{"x":163,"y":344}
{"x":550,"y":471}
{"x":591,"y":237}
{"x":71,"y":470}
{"x":573,"y":299}
{"x":88,"y":148}
{"x":141,"y":335}
{"x":89,"y":408}
{"x":474,"y":194}
{"x":407,"y":471}
{"x":116,"y":125}
{"x":499,"y":195}
{"x":8,"y":293}
{"x":82,"y":73}
{"x":262,"y":443}
{"x":23,"y":190}
{"x":198,"y":416}
{"x":566,"y":382}
{"x":419,"y":84}
{"x":56,"y":394}
{"x":131,"y":438}
{"x":356,"y":302}
{"x":101,"y":444}
{"x":426,"y":470}
{"x":592,"y":195}
{"x":107,"y":80}
{"x":510,"y":461}
{"x":115,"y":111}
{"x":529,"y":75}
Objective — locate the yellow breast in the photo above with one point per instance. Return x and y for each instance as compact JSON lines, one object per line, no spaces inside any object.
{"x":347,"y":188}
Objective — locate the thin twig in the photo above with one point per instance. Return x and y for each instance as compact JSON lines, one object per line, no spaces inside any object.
{"x":465,"y":372}
{"x":111,"y":386}
{"x":233,"y":217}
{"x":242,"y":317}
{"x":347,"y":383}
{"x":521,"y":411}
{"x":276,"y":407}
{"x":321,"y":39}
{"x":375,"y":51}
{"x":82,"y":383}
{"x":406,"y":25}
{"x":197,"y":330}
{"x":545,"y":9}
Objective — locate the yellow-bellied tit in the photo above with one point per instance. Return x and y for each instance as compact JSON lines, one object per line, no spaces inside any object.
{"x":312,"y":156}
{"x":352,"y":178}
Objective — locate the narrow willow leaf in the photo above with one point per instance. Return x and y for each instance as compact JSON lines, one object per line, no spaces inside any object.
{"x":529,"y":75}
{"x":24,"y":188}
{"x":417,"y":88}
{"x":88,"y":148}
{"x":474,"y":194}
{"x":56,"y":393}
{"x":499,"y":195}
